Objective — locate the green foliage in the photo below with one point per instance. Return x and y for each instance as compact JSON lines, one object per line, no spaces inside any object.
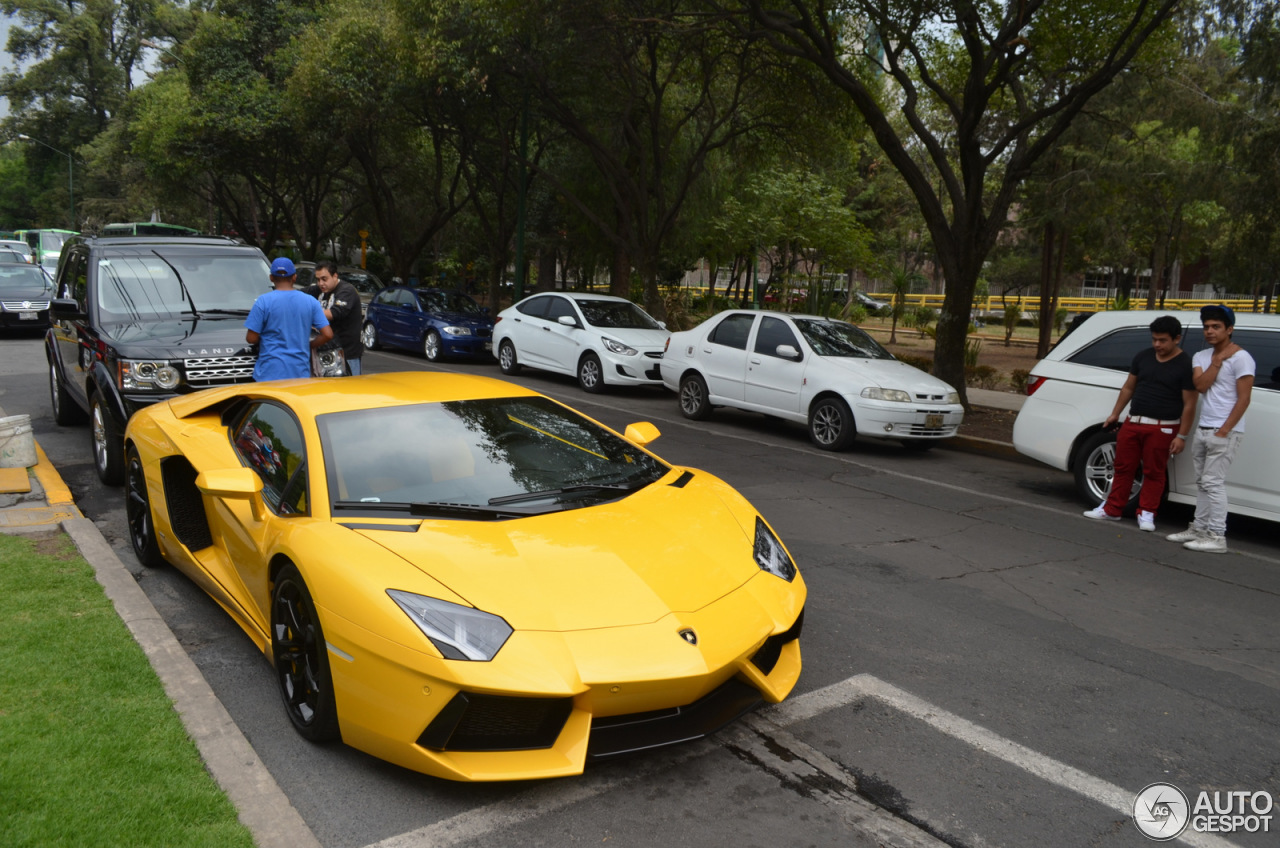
{"x":972,"y":347}
{"x":924,"y":363}
{"x":1120,"y":303}
{"x":1018,"y":378}
{"x":94,"y":752}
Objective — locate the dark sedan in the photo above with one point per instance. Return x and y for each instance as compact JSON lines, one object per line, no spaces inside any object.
{"x":25,"y":290}
{"x":439,"y":323}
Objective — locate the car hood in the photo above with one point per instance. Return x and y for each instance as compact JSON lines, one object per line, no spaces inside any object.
{"x":889,"y":374}
{"x":223,"y":336}
{"x":635,"y":338}
{"x":463,"y":319}
{"x":629,"y":562}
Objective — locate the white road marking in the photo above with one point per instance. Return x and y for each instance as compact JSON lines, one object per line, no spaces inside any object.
{"x":804,"y":761}
{"x":1046,"y":768}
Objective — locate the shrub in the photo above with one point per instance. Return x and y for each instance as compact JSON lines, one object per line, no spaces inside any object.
{"x":1018,"y":379}
{"x":855,"y":313}
{"x":972,"y":347}
{"x":924,"y":363}
{"x":981,"y":376}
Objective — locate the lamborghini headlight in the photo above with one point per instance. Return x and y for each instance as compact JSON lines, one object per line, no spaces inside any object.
{"x":458,"y":632}
{"x":148,"y":374}
{"x":618,"y":347}
{"x":877,"y":393}
{"x":770,"y":555}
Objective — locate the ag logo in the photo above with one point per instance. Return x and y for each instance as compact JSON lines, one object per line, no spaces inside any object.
{"x":1161,"y":812}
{"x":689,"y":636}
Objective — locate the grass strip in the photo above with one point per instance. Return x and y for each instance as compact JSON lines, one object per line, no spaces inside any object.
{"x":91,"y":749}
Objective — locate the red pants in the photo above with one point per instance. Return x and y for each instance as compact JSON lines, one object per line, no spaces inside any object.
{"x":1147,"y":444}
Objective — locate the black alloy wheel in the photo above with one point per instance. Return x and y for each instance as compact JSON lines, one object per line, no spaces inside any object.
{"x":137,"y":510}
{"x":301,"y":658}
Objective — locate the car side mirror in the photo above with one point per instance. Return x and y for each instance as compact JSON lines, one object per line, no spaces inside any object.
{"x":787,"y":351}
{"x":662,"y":324}
{"x":66,"y":309}
{"x":239,"y":483}
{"x":642,"y":433}
{"x":567,"y":320}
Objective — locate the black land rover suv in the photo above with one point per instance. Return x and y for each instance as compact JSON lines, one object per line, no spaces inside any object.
{"x":139,"y":319}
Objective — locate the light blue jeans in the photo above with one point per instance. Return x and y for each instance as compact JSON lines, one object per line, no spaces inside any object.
{"x":1211,"y":456}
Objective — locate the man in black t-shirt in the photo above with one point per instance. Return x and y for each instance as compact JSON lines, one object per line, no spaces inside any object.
{"x":1158,"y":425}
{"x":342,"y":306}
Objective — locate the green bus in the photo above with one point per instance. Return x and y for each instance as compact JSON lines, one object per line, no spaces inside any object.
{"x":46,"y":245}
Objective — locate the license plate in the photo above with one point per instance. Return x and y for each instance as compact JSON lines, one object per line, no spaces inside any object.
{"x":28,"y":316}
{"x":934,"y":419}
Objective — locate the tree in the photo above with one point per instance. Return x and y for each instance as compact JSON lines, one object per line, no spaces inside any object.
{"x":986,"y":91}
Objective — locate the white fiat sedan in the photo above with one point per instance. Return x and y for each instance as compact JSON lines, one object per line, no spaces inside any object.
{"x":600,"y":339}
{"x":827,"y":374}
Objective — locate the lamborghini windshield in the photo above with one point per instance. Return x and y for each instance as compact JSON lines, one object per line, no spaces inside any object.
{"x":476,"y":459}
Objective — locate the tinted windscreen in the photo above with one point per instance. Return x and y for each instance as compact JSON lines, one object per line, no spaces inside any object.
{"x":616,"y":315}
{"x":22,"y":277}
{"x":833,"y":338}
{"x":477,"y":454}
{"x":160,"y":285}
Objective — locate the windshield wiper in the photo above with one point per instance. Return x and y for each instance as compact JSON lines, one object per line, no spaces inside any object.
{"x":432,"y":509}
{"x":225,"y":312}
{"x":181,"y":285}
{"x":583,"y":489}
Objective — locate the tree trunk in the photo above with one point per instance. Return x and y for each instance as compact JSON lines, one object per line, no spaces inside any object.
{"x":1047,"y":294}
{"x":620,"y":279}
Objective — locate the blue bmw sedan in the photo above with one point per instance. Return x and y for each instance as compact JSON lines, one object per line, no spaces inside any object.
{"x":439,"y":323}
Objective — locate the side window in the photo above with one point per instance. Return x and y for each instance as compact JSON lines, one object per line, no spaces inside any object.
{"x":269,"y":440}
{"x":1114,"y":351}
{"x":1264,"y":347}
{"x":774,"y":332}
{"x":560,"y":306}
{"x":385,"y":298}
{"x":732,"y":331}
{"x":535,"y":307}
{"x":75,"y":280}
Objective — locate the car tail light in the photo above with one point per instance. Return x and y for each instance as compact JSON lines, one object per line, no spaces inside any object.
{"x":1034,"y":383}
{"x":666,"y":344}
{"x":497,"y":320}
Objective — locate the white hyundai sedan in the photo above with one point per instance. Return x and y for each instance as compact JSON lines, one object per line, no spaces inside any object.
{"x":827,"y":374}
{"x":600,"y":339}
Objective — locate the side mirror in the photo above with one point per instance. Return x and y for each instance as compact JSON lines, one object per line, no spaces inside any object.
{"x":662,"y":324}
{"x":642,"y":433}
{"x":66,"y":309}
{"x":241,"y":483}
{"x":787,"y":351}
{"x":567,"y":320}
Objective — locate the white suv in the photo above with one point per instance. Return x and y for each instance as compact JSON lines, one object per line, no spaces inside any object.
{"x":1072,"y":390}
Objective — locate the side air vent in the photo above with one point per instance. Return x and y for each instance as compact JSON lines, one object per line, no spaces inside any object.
{"x":184,"y":503}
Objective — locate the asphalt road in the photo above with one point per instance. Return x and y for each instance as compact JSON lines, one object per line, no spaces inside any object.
{"x":980,"y":661}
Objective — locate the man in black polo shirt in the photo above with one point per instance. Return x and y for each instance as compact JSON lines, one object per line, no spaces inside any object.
{"x":1158,"y":426}
{"x":342,"y":306}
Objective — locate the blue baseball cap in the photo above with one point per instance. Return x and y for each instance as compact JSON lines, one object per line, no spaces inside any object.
{"x":1218,"y":312}
{"x":283,"y":267}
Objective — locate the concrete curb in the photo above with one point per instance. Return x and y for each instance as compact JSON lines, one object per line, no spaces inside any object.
{"x":987,"y":447}
{"x":262,"y":806}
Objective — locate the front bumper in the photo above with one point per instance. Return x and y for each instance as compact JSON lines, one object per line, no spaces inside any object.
{"x":890,"y":420}
{"x":549,"y":701}
{"x":643,"y":369}
{"x":25,"y":319}
{"x":470,"y":346}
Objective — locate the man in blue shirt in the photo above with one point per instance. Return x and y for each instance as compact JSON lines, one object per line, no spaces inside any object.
{"x":280,"y":323}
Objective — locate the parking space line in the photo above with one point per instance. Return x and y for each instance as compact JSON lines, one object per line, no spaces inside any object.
{"x":1046,"y":768}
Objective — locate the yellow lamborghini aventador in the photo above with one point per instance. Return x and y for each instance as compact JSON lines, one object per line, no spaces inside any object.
{"x":465,"y":577}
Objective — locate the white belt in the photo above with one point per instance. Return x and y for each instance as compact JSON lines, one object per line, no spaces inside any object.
{"x":1142,"y":419}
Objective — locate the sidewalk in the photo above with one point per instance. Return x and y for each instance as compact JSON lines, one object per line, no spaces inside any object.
{"x":36,"y":500}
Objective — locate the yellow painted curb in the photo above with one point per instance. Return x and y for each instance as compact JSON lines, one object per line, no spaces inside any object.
{"x":55,"y":491}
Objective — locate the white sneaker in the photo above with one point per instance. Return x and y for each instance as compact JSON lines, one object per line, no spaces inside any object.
{"x":1099,"y":513}
{"x":1146,"y":520}
{"x":1209,"y":543}
{"x":1190,"y":534}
